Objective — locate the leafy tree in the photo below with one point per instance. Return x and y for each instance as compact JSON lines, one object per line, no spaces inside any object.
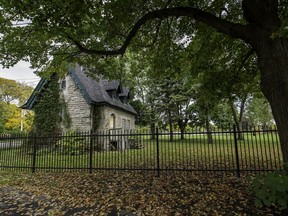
{"x":12,"y":91}
{"x":142,"y":111}
{"x":259,"y":112}
{"x":79,"y":30}
{"x":10,"y":114}
{"x":3,"y":115}
{"x":221,"y":115}
{"x":25,"y":93}
{"x":10,"y":118}
{"x":13,"y":121}
{"x":201,"y":109}
{"x":230,"y":77}
{"x":9,"y":90}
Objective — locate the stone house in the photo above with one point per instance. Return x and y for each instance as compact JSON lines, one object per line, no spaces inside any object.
{"x":90,"y":104}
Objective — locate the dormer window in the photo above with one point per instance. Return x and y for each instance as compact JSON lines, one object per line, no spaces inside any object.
{"x":63,"y":84}
{"x":114,"y":96}
{"x":123,"y":99}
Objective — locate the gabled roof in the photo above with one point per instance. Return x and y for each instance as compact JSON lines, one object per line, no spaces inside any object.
{"x":33,"y":97}
{"x":94,"y":91}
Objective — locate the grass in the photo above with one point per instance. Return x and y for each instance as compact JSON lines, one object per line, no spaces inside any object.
{"x":260,"y":151}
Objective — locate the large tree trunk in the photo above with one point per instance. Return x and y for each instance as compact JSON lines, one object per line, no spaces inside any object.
{"x":273,"y":64}
{"x":272,"y":53}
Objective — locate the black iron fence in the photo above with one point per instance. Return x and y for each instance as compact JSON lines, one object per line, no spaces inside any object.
{"x":218,"y":151}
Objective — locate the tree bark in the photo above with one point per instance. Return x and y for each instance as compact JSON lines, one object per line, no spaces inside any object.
{"x":182,"y":125}
{"x":207,"y":125}
{"x":273,"y":64}
{"x":272,"y":53}
{"x":238,"y":118}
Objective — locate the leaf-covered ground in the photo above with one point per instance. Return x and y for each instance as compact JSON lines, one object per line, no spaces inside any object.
{"x":125,"y":194}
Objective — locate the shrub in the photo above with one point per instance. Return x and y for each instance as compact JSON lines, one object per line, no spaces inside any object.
{"x":71,"y":144}
{"x":135,"y":143}
{"x":271,"y":189}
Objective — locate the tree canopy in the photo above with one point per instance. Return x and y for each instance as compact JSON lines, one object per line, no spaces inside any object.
{"x":52,"y":33}
{"x":12,"y":93}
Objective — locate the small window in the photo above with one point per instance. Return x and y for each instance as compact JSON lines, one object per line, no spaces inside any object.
{"x":63,"y":84}
{"x":112,"y":121}
{"x":128,"y":124}
{"x":123,"y":123}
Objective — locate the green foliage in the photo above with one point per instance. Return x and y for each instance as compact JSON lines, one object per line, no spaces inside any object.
{"x":96,"y":118}
{"x":142,"y":111}
{"x":64,"y":117}
{"x":259,"y":111}
{"x":10,"y":115}
{"x":271,"y":189}
{"x":71,"y":144}
{"x":11,"y":91}
{"x":47,"y":109}
{"x":10,"y":118}
{"x":14,"y":119}
{"x":3,"y":115}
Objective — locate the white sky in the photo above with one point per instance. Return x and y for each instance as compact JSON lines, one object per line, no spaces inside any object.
{"x":21,"y":73}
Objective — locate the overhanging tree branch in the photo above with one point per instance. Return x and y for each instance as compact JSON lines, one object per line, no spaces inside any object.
{"x":221,"y":25}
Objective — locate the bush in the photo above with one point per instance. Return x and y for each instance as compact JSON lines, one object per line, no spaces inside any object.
{"x":72,"y":144}
{"x":135,"y":143}
{"x":271,"y":189}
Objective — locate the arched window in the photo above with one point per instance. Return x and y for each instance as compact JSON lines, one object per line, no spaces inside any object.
{"x":112,"y":121}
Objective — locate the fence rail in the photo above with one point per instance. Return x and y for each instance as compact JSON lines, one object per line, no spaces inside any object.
{"x":224,"y":151}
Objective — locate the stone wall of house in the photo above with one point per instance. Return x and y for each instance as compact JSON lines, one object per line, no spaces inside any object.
{"x":81,"y":113}
{"x":77,"y":107}
{"x":123,"y":120}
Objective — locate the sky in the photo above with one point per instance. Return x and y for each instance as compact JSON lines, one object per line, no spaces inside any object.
{"x":21,"y":73}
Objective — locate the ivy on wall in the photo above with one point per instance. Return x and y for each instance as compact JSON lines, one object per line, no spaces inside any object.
{"x":96,"y":118}
{"x":47,"y":109}
{"x":65,"y":117}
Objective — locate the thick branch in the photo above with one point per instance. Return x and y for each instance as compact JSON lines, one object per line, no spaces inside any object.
{"x":223,"y":26}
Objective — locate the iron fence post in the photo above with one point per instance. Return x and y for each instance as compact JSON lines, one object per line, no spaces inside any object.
{"x":34,"y":153}
{"x":157,"y":152}
{"x":236,"y":151}
{"x":91,"y":153}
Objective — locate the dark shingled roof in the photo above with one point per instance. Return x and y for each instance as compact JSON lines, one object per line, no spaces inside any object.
{"x":94,"y":91}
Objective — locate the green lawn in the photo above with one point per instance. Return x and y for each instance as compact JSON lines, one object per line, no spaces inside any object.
{"x":259,"y":151}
